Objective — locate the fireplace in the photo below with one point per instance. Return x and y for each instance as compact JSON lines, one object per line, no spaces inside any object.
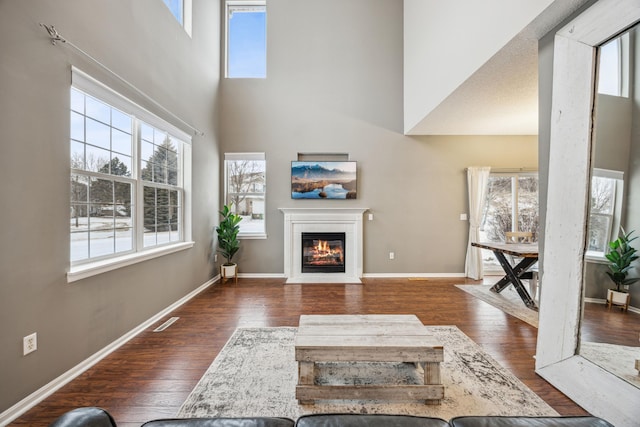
{"x":323,"y":220}
{"x":323,"y":252}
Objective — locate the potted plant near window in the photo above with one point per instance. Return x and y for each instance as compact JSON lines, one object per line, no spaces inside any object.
{"x":228,"y":243}
{"x":621,"y":255}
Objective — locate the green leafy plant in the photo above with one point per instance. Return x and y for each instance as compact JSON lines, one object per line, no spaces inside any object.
{"x":620,"y":257}
{"x":228,"y":243}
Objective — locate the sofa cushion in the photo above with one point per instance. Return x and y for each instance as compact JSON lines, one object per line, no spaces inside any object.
{"x":85,"y":417}
{"x":366,"y":420}
{"x":221,"y":422}
{"x":528,"y":422}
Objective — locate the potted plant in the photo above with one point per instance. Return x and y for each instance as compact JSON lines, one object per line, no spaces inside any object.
{"x":228,"y":243}
{"x":620,"y":256}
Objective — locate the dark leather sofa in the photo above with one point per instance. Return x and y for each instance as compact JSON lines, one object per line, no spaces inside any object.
{"x":97,"y":417}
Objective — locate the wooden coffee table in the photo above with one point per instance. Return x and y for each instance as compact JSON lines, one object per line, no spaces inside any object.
{"x":367,"y":338}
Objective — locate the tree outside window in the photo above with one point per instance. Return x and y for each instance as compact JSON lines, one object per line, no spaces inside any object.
{"x":605,"y":211}
{"x":116,"y":207}
{"x":245,"y":190}
{"x":511,"y":205}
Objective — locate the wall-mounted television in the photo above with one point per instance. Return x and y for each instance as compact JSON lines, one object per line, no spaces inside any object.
{"x":323,"y":180}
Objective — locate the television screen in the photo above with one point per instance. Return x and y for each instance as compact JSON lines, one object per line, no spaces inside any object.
{"x":323,"y":180}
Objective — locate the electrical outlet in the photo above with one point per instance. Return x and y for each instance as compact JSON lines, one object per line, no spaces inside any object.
{"x":215,"y":258}
{"x":392,"y":255}
{"x":29,"y":344}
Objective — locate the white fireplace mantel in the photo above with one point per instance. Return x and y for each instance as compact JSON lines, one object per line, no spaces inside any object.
{"x":322,"y":220}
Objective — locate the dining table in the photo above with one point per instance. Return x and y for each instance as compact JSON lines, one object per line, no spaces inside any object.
{"x":528,"y":255}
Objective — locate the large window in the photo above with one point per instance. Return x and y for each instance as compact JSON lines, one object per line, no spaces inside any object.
{"x":127,"y":176}
{"x":511,"y":205}
{"x":605,"y":211}
{"x":245,"y":189}
{"x":246,"y":39}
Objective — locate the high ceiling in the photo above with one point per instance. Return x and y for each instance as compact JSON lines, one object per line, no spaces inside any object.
{"x":501,"y":97}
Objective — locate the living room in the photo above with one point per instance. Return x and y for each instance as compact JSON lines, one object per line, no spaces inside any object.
{"x":336,"y":84}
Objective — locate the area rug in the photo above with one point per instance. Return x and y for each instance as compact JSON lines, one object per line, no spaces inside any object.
{"x":617,"y":359}
{"x":255,"y":374}
{"x":508,"y":301}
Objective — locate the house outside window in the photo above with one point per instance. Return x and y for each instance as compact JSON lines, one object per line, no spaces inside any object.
{"x":245,"y":190}
{"x":127,"y":177}
{"x":605,"y":211}
{"x":511,"y":205}
{"x":246,"y":39}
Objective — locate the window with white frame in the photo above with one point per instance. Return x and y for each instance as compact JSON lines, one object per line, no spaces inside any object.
{"x":128,"y":172}
{"x":613,"y":67}
{"x":245,"y":190}
{"x":246,"y":39}
{"x":605,"y":211}
{"x":511,"y":205}
{"x":181,"y":10}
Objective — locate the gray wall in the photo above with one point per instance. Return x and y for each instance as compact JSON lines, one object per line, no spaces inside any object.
{"x":335,"y":85}
{"x":142,"y":42}
{"x":611,"y":149}
{"x":631,"y":218}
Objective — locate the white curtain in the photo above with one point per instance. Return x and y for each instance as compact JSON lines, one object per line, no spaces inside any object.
{"x":477,"y":184}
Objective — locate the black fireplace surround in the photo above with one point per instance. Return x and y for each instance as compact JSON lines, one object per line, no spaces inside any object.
{"x":323,"y":252}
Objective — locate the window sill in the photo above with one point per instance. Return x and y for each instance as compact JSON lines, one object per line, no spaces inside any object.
{"x":252,"y":236}
{"x":83,"y":271}
{"x":595,"y":259}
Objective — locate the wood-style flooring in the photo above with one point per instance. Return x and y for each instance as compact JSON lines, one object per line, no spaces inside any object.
{"x":151,"y":375}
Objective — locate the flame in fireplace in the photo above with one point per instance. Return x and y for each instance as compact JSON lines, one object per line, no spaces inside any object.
{"x":323,"y":254}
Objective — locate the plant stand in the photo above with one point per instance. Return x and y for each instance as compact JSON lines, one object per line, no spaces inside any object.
{"x":225,"y":274}
{"x":621,"y":299}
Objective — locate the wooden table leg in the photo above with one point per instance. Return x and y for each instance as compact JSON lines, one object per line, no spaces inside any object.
{"x":513,"y":276}
{"x":306,"y":376}
{"x":519,"y":270}
{"x":432,"y":376}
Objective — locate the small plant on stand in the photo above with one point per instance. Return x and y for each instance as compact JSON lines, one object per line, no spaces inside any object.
{"x":621,"y":255}
{"x":228,"y":243}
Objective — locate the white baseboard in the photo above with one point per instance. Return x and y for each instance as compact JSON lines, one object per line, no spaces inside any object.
{"x":47,"y":390}
{"x":261,"y":275}
{"x":410,"y":275}
{"x":604,"y":301}
{"x":365,"y":275}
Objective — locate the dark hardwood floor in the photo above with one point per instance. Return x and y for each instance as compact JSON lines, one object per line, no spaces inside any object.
{"x":151,"y":375}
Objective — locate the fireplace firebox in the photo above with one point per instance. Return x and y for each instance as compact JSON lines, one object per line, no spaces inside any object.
{"x":323,"y":252}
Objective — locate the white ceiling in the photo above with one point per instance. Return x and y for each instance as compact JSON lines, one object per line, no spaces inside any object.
{"x":501,"y":97}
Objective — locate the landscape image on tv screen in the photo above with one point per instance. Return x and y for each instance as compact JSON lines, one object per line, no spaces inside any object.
{"x":323,"y":180}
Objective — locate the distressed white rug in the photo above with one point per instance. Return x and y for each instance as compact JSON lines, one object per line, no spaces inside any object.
{"x":508,"y":301}
{"x":255,"y":374}
{"x":617,"y":359}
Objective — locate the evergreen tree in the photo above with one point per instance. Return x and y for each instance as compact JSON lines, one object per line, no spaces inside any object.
{"x":159,"y":204}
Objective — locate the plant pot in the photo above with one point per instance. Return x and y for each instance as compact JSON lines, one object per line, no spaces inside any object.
{"x":618,"y":298}
{"x":229,"y":270}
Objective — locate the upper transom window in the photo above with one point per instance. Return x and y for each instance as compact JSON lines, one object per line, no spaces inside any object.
{"x":246,"y":39}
